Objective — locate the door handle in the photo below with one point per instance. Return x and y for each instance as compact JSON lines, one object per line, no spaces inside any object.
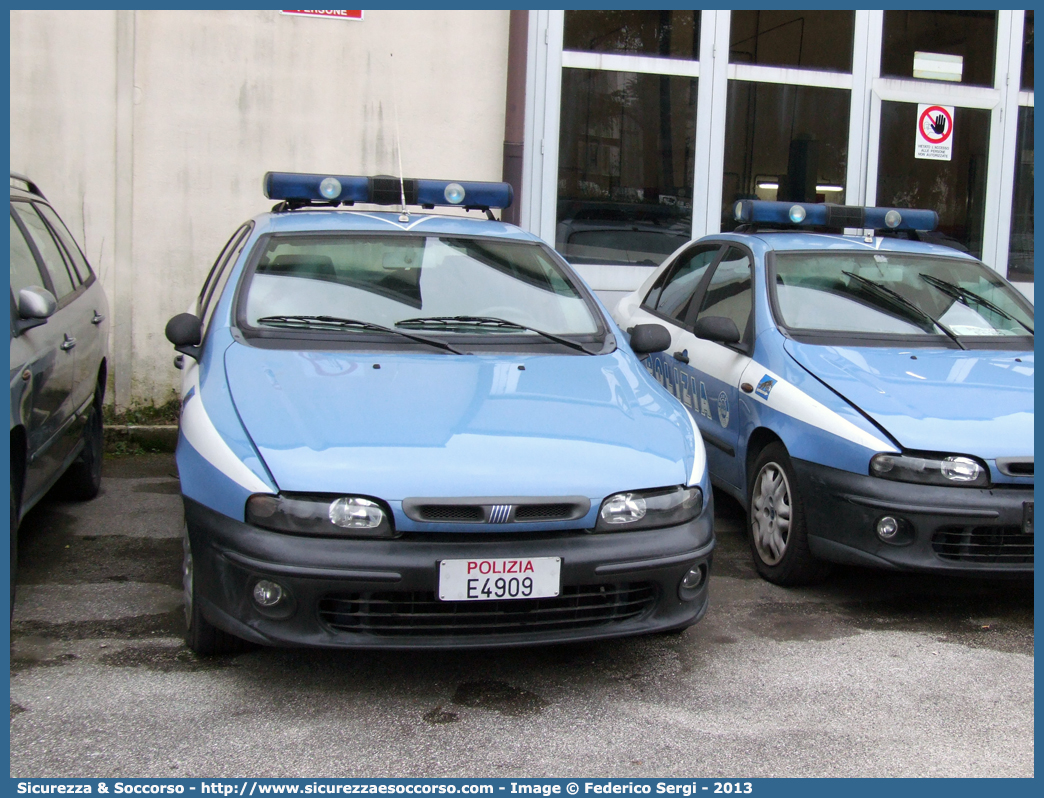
{"x":98,"y":318}
{"x":68,"y":343}
{"x":682,"y":357}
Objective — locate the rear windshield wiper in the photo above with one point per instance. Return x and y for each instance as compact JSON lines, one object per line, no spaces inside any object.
{"x":487,"y":321}
{"x":963,"y":294}
{"x":906,"y":303}
{"x":337,"y":323}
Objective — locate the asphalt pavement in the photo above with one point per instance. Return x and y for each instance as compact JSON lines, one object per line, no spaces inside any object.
{"x":869,"y":674}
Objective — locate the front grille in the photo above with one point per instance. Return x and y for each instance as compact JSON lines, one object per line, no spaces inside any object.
{"x":1015,"y":466}
{"x":413,"y":614}
{"x":452,"y":512}
{"x":543,"y":512}
{"x":1004,"y":545}
{"x":494,"y":513}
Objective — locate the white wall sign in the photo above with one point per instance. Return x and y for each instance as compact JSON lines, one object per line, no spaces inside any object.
{"x":934,"y":139}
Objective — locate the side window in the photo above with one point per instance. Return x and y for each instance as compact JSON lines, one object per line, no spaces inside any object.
{"x":79,"y":262}
{"x":217,"y":284}
{"x":672,"y":295}
{"x":729,"y":293}
{"x":24,"y":271}
{"x":207,"y":291}
{"x":48,"y":248}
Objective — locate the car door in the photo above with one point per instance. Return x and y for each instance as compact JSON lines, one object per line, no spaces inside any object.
{"x":670,"y":302}
{"x":87,"y":321}
{"x":727,"y":292}
{"x":53,"y":371}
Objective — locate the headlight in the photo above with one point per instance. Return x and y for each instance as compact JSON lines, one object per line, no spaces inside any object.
{"x":334,"y":516}
{"x":938,"y":469}
{"x":648,"y":509}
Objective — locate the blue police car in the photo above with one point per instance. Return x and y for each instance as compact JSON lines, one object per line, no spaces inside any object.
{"x":867,"y":398}
{"x":406,"y":429}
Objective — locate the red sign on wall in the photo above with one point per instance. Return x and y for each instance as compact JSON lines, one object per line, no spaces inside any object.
{"x":331,"y":14}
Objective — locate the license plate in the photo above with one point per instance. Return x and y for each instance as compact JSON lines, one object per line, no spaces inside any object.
{"x":1027,"y":518}
{"x":493,"y":580}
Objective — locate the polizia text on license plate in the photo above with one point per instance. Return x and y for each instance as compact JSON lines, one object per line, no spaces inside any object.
{"x":494,"y":579}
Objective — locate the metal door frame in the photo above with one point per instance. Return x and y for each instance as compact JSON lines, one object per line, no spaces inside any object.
{"x":1002,"y":100}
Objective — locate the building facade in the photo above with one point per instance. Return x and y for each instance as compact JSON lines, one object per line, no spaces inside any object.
{"x":151,"y":130}
{"x":643,"y":127}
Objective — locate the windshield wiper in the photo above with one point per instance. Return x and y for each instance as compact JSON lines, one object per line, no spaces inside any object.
{"x":963,"y":294}
{"x":337,"y":323}
{"x":487,"y":321}
{"x":906,"y":303}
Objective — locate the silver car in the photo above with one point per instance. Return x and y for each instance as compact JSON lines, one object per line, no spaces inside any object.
{"x":59,"y":340}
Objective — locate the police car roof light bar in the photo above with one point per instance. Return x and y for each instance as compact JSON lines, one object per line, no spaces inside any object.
{"x":297,"y":190}
{"x":828,"y":215}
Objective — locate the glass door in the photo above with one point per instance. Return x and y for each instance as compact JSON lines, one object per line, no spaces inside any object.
{"x":949,"y":177}
{"x":937,"y":127}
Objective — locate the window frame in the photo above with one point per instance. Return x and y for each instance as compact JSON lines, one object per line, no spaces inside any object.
{"x":351,"y":339}
{"x":78,"y":287}
{"x":45,"y":277}
{"x":669,"y":272}
{"x":220,"y":273}
{"x":745,"y":345}
{"x":886,"y":340}
{"x":71,"y":259}
{"x":543,"y":105}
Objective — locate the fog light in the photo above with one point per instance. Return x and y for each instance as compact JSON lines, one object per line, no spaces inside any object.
{"x":695,"y":577}
{"x":887,"y":527}
{"x":267,"y":594}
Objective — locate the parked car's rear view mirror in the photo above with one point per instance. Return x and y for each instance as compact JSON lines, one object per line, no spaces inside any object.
{"x":185,"y":331}
{"x":717,"y":328}
{"x":35,"y":306}
{"x":36,"y":303}
{"x":646,"y":338}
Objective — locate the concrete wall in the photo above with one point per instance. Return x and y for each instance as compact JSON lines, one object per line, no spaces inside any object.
{"x":150,"y":132}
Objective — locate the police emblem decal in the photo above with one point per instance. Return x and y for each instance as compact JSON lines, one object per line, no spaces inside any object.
{"x":765,"y":387}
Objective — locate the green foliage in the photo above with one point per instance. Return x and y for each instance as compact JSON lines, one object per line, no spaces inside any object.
{"x":146,"y":414}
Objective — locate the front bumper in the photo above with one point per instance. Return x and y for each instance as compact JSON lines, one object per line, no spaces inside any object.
{"x":381,"y":593}
{"x":942,"y":529}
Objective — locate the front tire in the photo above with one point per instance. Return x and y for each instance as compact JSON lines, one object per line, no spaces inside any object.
{"x":776,"y":522}
{"x":200,"y":634}
{"x":83,"y":479}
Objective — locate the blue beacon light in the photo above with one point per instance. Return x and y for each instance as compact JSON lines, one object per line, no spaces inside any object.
{"x":300,"y":188}
{"x":808,"y":214}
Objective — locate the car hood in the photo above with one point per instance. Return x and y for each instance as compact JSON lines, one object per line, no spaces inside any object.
{"x":398,"y":426}
{"x":943,"y":400}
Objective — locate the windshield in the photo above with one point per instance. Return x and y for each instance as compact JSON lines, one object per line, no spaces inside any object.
{"x":413,"y":282}
{"x":896,"y":293}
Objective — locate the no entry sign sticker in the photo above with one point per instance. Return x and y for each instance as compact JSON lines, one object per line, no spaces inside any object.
{"x":934,"y":140}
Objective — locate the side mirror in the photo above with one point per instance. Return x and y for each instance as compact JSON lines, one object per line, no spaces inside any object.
{"x":648,"y":338}
{"x":717,"y":328}
{"x":35,"y":306}
{"x":185,"y":331}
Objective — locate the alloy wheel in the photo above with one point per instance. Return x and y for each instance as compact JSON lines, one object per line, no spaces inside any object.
{"x":770,"y":513}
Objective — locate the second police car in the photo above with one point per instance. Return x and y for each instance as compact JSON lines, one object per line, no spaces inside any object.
{"x":867,"y":398}
{"x":413,"y":429}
